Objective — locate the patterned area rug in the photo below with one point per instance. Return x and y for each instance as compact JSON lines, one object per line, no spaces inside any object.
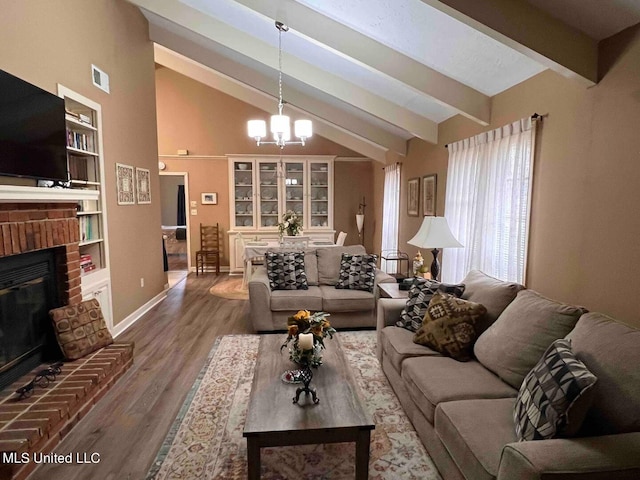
{"x":206,"y":440}
{"x":231,"y":289}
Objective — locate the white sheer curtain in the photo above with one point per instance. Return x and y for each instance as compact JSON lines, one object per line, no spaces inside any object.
{"x":488,"y":202}
{"x":390,"y":214}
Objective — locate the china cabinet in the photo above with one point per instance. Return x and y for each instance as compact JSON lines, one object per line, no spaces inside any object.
{"x":263,"y":188}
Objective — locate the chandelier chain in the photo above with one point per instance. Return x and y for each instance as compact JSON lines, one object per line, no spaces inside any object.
{"x":280,"y":102}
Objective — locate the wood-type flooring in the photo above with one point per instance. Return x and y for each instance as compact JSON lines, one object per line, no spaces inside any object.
{"x":172,"y":341}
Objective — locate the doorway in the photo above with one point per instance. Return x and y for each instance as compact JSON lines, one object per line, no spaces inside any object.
{"x":174,"y":195}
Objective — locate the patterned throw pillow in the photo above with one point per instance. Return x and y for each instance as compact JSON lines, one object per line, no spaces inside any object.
{"x":554,"y":396}
{"x":286,"y":270}
{"x":449,"y":326}
{"x":80,"y":329}
{"x":357,"y":272}
{"x":420,"y":295}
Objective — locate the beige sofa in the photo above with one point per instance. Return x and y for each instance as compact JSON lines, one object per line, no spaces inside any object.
{"x":463,"y":411}
{"x":348,"y":308}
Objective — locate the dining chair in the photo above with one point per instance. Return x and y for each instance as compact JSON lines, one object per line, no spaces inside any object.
{"x":342,"y":236}
{"x":209,"y":253}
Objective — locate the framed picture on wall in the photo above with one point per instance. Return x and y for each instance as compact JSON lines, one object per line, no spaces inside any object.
{"x":429,"y":183}
{"x":209,"y":199}
{"x":125,"y":184}
{"x":413,"y":197}
{"x":143,"y":185}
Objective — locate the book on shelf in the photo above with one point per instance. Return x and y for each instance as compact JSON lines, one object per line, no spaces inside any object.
{"x":78,"y":168}
{"x":88,"y":268}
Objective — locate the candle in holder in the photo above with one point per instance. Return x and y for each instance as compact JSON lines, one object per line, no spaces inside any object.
{"x":305,"y":341}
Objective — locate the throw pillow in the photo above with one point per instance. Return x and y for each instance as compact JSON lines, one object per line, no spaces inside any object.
{"x":420,"y":294}
{"x":80,"y":329}
{"x":555,"y":395}
{"x":357,"y":272}
{"x":521,"y":334}
{"x":449,"y":326}
{"x":285,"y":270}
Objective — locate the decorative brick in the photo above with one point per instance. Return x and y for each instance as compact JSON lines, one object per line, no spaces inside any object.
{"x":22,"y":234}
{"x":6,"y":239}
{"x":31,"y":435}
{"x":15,"y":238}
{"x":18,"y":216}
{"x":49,"y":230}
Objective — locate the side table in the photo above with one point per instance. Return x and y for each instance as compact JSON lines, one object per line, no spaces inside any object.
{"x":392,"y":290}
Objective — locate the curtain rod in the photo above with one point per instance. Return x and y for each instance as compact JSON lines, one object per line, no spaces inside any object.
{"x":535,"y":116}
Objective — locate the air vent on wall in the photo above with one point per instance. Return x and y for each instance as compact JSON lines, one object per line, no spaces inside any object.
{"x":100,"y":78}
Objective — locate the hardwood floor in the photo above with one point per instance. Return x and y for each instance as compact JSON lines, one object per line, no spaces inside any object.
{"x":172,"y":341}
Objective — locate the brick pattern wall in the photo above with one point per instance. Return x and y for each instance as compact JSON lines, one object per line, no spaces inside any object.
{"x":27,"y":227}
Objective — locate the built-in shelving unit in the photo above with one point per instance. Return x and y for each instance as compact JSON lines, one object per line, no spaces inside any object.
{"x":86,"y":174}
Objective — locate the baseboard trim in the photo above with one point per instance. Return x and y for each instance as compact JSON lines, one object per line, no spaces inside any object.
{"x":137,"y":314}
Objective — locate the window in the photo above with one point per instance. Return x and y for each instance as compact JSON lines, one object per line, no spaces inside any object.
{"x":488,"y":202}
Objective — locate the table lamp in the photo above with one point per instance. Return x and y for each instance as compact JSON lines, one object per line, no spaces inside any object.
{"x":434,"y":233}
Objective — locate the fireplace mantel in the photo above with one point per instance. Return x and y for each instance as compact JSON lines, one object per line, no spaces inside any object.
{"x":15,"y":193}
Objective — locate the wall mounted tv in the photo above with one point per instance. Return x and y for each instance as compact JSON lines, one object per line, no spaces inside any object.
{"x":32,"y":131}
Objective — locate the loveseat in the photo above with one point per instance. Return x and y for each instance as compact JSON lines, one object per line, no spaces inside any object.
{"x":269,"y":309}
{"x":464,"y":411}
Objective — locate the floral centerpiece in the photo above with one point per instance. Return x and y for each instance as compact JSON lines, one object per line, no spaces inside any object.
{"x":308,"y":332}
{"x":291,"y":224}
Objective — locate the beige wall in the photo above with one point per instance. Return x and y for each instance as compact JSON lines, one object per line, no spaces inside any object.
{"x":47,"y":43}
{"x":353,"y":181}
{"x":208,"y":122}
{"x":584,"y":230}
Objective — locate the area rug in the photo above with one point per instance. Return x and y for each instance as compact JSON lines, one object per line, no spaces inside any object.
{"x":231,"y":289}
{"x":205,"y":441}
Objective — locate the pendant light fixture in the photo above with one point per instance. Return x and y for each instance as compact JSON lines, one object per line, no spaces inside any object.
{"x":280,"y":124}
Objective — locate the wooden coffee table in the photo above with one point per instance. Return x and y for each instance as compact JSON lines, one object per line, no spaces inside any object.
{"x":274,"y":420}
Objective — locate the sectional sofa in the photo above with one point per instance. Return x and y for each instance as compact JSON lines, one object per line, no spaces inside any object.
{"x":269,"y":309}
{"x":464,"y":411}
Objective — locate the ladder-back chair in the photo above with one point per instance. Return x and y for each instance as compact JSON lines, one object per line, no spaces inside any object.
{"x":209,"y":253}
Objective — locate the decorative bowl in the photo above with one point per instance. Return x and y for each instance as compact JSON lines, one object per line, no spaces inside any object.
{"x":242,"y":166}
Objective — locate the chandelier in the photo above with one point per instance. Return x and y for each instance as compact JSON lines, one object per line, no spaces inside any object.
{"x":280,"y":124}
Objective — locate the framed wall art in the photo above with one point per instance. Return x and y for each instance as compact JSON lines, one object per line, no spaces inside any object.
{"x":429,"y":184}
{"x":413,"y":197}
{"x":209,"y":199}
{"x":143,"y":185}
{"x":125,"y":184}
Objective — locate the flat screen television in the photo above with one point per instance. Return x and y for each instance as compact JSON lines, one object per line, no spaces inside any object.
{"x":33,"y":136}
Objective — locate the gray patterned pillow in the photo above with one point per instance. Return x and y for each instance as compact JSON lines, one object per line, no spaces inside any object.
{"x":554,"y":396}
{"x":357,"y":272}
{"x":420,"y":295}
{"x":286,"y":270}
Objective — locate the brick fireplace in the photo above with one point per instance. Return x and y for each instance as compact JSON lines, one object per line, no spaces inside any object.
{"x":38,"y":423}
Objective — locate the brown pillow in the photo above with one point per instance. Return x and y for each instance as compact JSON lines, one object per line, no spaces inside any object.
{"x":80,"y":329}
{"x":449,"y":326}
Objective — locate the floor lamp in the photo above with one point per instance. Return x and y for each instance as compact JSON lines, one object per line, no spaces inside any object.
{"x":435,"y":233}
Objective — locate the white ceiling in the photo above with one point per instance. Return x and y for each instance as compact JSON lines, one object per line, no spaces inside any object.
{"x":381,"y":71}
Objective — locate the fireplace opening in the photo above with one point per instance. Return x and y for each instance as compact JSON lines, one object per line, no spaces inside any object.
{"x":28,"y":290}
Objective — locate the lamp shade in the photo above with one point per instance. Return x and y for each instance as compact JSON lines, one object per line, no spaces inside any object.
{"x":303,"y":128}
{"x":360,"y":221}
{"x":257,"y":128}
{"x":434,"y":233}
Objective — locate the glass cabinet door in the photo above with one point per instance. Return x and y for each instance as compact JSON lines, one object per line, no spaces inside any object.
{"x":243,"y":198}
{"x":319,"y":194}
{"x":294,"y":190}
{"x":268,"y":214}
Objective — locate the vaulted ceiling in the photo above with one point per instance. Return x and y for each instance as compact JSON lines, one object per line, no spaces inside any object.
{"x":373,"y":74}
